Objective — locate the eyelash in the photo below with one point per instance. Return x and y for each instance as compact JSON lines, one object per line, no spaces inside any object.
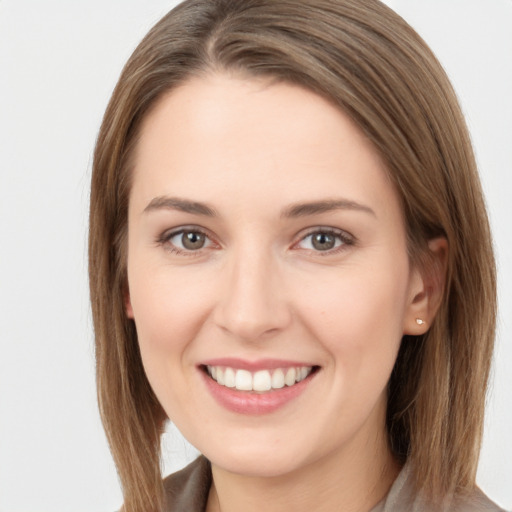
{"x":345,"y":238}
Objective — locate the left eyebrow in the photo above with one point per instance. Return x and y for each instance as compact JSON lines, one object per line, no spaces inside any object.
{"x":183,"y":205}
{"x":316,"y":207}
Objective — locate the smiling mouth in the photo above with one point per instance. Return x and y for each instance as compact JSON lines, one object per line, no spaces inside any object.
{"x":259,"y":381}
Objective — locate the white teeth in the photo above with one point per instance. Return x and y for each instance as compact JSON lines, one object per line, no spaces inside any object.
{"x":289,"y":378}
{"x":229,"y":378}
{"x":243,"y":380}
{"x":260,"y":381}
{"x":278,"y":379}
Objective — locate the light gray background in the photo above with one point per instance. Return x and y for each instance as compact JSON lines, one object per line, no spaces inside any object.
{"x":59,"y":61}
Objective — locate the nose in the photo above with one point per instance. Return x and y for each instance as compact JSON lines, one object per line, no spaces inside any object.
{"x":252,"y":301}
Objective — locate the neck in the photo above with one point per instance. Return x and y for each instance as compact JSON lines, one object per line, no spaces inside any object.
{"x":353,"y":480}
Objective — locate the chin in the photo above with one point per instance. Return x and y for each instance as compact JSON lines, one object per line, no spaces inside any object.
{"x":263,"y":465}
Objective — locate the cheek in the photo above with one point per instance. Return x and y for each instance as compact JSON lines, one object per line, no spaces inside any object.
{"x":357,"y":300}
{"x":358,"y":317}
{"x":169,"y":311}
{"x":168,"y":316}
{"x":168,"y":306}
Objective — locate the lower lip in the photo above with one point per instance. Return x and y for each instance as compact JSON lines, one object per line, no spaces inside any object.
{"x":246,"y":402}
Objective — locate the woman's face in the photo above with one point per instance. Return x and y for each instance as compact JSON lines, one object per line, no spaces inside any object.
{"x":266,"y":245}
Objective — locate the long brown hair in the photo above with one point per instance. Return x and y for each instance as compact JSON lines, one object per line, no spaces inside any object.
{"x":371,"y":64}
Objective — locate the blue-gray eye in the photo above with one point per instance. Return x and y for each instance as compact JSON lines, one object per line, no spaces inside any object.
{"x":322,"y":241}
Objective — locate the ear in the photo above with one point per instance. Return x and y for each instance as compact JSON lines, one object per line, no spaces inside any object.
{"x":127,"y":302}
{"x":426,"y":289}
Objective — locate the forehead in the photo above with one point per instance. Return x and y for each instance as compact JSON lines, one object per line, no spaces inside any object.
{"x":252,"y":136}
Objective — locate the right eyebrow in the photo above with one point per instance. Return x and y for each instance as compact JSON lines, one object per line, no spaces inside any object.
{"x":182,"y":205}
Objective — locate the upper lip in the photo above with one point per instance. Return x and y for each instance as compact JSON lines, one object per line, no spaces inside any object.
{"x":254,"y":366}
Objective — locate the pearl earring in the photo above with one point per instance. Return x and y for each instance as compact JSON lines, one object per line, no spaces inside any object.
{"x":419,"y":321}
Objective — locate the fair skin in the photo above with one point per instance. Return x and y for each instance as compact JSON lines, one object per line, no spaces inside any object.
{"x":264,"y":230}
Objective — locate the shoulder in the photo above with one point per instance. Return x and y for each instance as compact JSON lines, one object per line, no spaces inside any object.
{"x":187,"y":490}
{"x":402,"y":496}
{"x":477,"y":501}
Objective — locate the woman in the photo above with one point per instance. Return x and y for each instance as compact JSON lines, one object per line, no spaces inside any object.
{"x":290,"y":259}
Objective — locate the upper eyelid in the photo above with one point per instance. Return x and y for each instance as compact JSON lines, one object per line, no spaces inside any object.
{"x":169,"y":233}
{"x":325,"y":229}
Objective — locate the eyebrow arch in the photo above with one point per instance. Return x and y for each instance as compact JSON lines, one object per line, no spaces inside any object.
{"x":182,"y":205}
{"x":327,"y":205}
